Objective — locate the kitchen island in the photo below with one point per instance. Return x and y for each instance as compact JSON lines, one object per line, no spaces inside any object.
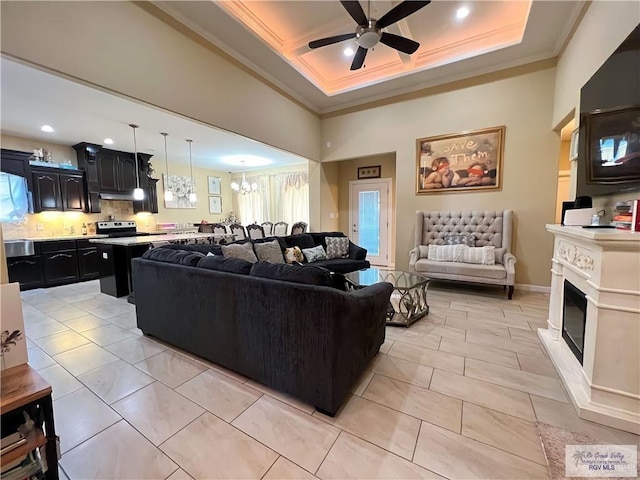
{"x":116,"y":254}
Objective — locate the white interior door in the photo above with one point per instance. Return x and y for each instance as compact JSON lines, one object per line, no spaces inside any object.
{"x":369,"y":217}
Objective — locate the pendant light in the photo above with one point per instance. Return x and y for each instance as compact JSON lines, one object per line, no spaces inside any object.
{"x":168,"y":194}
{"x":138,"y":193}
{"x":192,"y":195}
{"x":244,"y":186}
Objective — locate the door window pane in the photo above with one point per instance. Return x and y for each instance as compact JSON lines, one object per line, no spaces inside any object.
{"x":369,"y":221}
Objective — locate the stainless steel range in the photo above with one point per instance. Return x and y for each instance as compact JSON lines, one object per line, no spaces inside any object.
{"x":119,"y":228}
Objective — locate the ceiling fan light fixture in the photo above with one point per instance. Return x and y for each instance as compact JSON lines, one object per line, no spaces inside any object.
{"x":369,"y":36}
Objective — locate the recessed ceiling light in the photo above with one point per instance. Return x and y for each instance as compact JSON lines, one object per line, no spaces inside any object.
{"x":462,"y":13}
{"x":47,"y":128}
{"x":108,"y":141}
{"x":348,"y":52}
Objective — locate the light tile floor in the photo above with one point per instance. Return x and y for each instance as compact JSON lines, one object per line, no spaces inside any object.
{"x":456,"y":395}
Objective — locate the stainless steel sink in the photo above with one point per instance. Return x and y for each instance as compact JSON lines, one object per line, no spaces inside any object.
{"x":18,"y":248}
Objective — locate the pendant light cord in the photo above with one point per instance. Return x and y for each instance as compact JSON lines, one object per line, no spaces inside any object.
{"x":191,"y":163}
{"x":166,"y":157}
{"x":135,"y":152}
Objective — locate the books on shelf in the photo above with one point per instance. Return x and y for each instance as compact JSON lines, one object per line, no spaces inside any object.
{"x":28,"y":467}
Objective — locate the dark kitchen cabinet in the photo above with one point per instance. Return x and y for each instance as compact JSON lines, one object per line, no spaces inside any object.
{"x":88,"y":260}
{"x":108,"y":162}
{"x":72,"y":192}
{"x":150,"y":202}
{"x":27,"y":271}
{"x":60,"y":266}
{"x":56,"y":189}
{"x":126,"y":173}
{"x":46,"y":195}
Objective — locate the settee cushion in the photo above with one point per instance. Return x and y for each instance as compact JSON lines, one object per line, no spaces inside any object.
{"x":169,"y":255}
{"x":292,"y":273}
{"x":222,"y":264}
{"x":269,"y":251}
{"x":314,"y":254}
{"x":337,"y":247}
{"x":467,"y":269}
{"x":240,"y":250}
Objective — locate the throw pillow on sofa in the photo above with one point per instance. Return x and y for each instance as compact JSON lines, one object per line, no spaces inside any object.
{"x":446,"y":253}
{"x":337,"y":247}
{"x":222,"y":264}
{"x":269,"y":252}
{"x":481,"y":255}
{"x":293,"y":254}
{"x":314,"y":254}
{"x":240,"y":250}
{"x":292,"y":273}
{"x":460,"y":239}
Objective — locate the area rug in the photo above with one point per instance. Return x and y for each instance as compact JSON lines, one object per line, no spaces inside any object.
{"x":554,"y":439}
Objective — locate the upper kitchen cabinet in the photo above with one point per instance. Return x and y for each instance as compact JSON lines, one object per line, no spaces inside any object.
{"x":113,"y":172}
{"x":58,"y":190}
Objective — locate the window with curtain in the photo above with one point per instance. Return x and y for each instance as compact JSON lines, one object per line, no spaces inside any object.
{"x":291,"y":197}
{"x":255,"y":206}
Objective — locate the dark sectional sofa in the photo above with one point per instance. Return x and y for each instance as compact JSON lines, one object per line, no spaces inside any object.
{"x":281,"y":325}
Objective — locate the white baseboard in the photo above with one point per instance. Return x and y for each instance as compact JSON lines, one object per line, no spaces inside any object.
{"x":532,"y":288}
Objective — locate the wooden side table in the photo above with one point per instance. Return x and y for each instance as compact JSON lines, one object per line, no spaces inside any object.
{"x":23,"y":388}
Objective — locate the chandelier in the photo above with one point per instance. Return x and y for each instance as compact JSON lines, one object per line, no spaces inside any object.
{"x":244,"y":187}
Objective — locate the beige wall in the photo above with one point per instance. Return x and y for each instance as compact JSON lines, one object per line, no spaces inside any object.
{"x":59,"y":153}
{"x":602,"y":29}
{"x":122,"y":48}
{"x":347,"y":171}
{"x":523,"y":103}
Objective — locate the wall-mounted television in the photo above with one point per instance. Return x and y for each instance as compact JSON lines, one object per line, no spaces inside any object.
{"x":613,"y":150}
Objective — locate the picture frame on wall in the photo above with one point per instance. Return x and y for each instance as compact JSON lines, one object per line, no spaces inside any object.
{"x":369,"y":172}
{"x":214,"y":184}
{"x":460,"y":162}
{"x":215,"y":205}
{"x":573,"y":146}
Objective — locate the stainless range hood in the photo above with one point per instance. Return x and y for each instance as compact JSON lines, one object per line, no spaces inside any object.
{"x":116,"y":196}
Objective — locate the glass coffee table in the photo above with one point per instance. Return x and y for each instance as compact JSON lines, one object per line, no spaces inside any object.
{"x":409,"y":297}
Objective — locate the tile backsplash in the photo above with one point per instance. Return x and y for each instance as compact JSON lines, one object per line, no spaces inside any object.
{"x":53,"y":224}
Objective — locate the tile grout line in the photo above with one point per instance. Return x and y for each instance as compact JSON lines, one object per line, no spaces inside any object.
{"x":314,"y":473}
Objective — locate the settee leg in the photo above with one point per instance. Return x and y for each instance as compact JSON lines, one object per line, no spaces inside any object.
{"x":324,"y":412}
{"x":510,"y":294}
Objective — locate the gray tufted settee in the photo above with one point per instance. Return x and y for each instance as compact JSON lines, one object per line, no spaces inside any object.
{"x":488,"y":228}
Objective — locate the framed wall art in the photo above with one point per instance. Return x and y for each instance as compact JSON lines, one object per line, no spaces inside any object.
{"x":369,"y":172}
{"x":460,"y":162}
{"x":181,"y":186}
{"x":215,"y":205}
{"x":214,"y":184}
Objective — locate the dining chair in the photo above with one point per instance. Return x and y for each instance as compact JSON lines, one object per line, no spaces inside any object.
{"x":268,"y":228}
{"x":255,"y":231}
{"x":280,"y":229}
{"x":298,"y":228}
{"x":219,"y":228}
{"x":238,"y":230}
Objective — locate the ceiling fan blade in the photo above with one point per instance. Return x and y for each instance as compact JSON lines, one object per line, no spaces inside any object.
{"x":400,"y":11}
{"x":354,"y":9}
{"x":403,"y":44}
{"x":323,"y":42}
{"x":358,"y":59}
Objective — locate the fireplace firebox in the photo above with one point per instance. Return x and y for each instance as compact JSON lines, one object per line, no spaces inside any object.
{"x":574,"y":319}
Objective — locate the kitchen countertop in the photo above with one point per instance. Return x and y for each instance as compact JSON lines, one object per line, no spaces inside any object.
{"x":145,"y":240}
{"x":60,"y":237}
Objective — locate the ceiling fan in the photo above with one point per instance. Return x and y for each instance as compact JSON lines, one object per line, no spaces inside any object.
{"x":369,"y":31}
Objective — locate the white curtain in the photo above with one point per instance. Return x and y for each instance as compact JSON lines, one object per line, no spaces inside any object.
{"x":254,"y":206}
{"x":290,"y":198}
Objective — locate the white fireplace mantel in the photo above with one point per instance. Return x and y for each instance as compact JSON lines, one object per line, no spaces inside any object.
{"x":605,"y":265}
